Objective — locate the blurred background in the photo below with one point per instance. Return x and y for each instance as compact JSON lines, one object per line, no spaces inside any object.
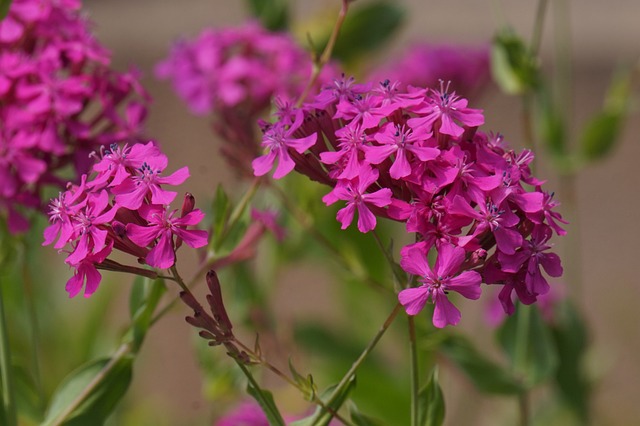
{"x":603,"y":34}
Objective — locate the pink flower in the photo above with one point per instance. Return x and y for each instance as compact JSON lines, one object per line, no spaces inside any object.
{"x":147,"y":180}
{"x":86,"y":274}
{"x":162,"y":225}
{"x":278,"y":140}
{"x":354,"y":193}
{"x":437,"y":282}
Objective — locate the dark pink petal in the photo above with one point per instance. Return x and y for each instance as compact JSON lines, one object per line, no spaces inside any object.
{"x":445,"y":312}
{"x":414,"y":261}
{"x":400,"y":167}
{"x":301,"y":145}
{"x":162,"y":255}
{"x":285,"y":163}
{"x":508,"y":240}
{"x":345,"y":215}
{"x":161,"y":196}
{"x":193,"y":238}
{"x":263,"y":165}
{"x":380,"y":198}
{"x":366,"y":219}
{"x":414,"y":299}
{"x":551,"y":264}
{"x":377,"y":154}
{"x":93,"y":278}
{"x":448,"y":127}
{"x":142,"y":236}
{"x":467,"y":284}
{"x":176,"y":178}
{"x":449,"y":260}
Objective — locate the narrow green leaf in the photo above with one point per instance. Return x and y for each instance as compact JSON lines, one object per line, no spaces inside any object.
{"x":539,"y":358}
{"x":322,"y":417}
{"x":306,"y":383}
{"x":273,"y":14}
{"x":221,"y":210}
{"x":97,"y":404}
{"x":551,"y":125}
{"x":360,"y":419}
{"x":513,"y":67}
{"x":485,"y":374}
{"x":268,"y":405}
{"x":152,"y":293}
{"x":431,"y":399}
{"x":366,"y":28}
{"x":136,"y":295}
{"x":27,"y":398}
{"x":571,"y":338}
{"x":4,"y":8}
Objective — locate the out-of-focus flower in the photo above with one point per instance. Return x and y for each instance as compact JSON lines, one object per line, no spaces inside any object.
{"x":59,"y":101}
{"x":425,"y":64}
{"x":415,"y":155}
{"x":98,"y":215}
{"x":233,"y":74}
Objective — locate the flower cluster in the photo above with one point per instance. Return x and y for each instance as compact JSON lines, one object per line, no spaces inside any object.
{"x":234,"y":73}
{"x":423,"y":65}
{"x":416,"y":156}
{"x":59,"y":100}
{"x":122,"y":205}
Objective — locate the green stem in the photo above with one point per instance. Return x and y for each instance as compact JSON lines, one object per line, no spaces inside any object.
{"x":372,"y":344}
{"x":523,"y":406}
{"x":519,"y":359}
{"x":415,"y":372}
{"x":239,"y":210}
{"x":8,"y":396}
{"x":320,"y":62}
{"x":536,"y":38}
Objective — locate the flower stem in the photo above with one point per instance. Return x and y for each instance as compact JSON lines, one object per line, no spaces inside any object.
{"x":320,"y":62}
{"x":8,"y":396}
{"x":536,"y":38}
{"x":236,"y":214}
{"x":372,"y":344}
{"x":519,"y":359}
{"x":415,"y":372}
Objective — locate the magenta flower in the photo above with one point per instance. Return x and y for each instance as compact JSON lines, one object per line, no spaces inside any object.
{"x":147,"y":180}
{"x":354,"y":193}
{"x":162,"y":225}
{"x":437,"y":282}
{"x":86,"y":274}
{"x":278,"y":140}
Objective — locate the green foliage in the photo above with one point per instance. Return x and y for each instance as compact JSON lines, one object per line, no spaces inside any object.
{"x":220,"y":210}
{"x":144,"y":298}
{"x":431,"y":400}
{"x":27,"y":395}
{"x":552,"y":126}
{"x":514,"y":68}
{"x":334,"y":398}
{"x":367,"y":27}
{"x":93,"y":400}
{"x":268,"y":405}
{"x":485,"y":374}
{"x":273,"y":14}
{"x":309,"y":388}
{"x":571,"y":339}
{"x":528,"y":343}
{"x":4,"y":8}
{"x":601,"y":133}
{"x":360,"y":419}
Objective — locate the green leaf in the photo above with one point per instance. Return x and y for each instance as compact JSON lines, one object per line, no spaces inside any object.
{"x":527,"y":341}
{"x":4,"y":8}
{"x":513,"y":66}
{"x":485,"y":374}
{"x":268,"y":405}
{"x":366,"y":28}
{"x":27,"y":398}
{"x":273,"y":14}
{"x":152,"y":292}
{"x":94,"y":406}
{"x":322,"y":417}
{"x":306,"y":384}
{"x":601,"y":133}
{"x":360,"y":419}
{"x":571,"y":339}
{"x":551,"y":125}
{"x":431,"y":409}
{"x":221,"y":210}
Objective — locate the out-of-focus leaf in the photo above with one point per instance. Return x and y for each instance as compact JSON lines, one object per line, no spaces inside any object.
{"x":513,"y":66}
{"x":485,"y":374}
{"x":366,"y":28}
{"x":321,"y":416}
{"x":570,"y":336}
{"x":221,"y":210}
{"x":141,"y":319}
{"x":551,"y":125}
{"x":431,"y":399}
{"x":601,"y":133}
{"x":97,"y":403}
{"x":274,"y":14}
{"x":27,"y":398}
{"x":360,"y":419}
{"x":268,"y":405}
{"x":4,"y":8}
{"x":538,"y":358}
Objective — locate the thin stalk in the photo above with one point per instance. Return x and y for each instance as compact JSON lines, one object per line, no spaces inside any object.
{"x":237,"y":213}
{"x":8,"y":395}
{"x":320,"y":62}
{"x":538,"y":26}
{"x":519,"y":358}
{"x":415,"y":372}
{"x":523,"y":408}
{"x":372,"y":344}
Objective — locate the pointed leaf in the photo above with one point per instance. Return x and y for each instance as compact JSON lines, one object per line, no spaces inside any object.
{"x":333,"y":398}
{"x":360,"y":419}
{"x":530,"y":339}
{"x":431,"y":409}
{"x":513,"y":67}
{"x":268,"y":405}
{"x":485,"y":374}
{"x":95,"y":404}
{"x":221,"y":210}
{"x":153,"y":290}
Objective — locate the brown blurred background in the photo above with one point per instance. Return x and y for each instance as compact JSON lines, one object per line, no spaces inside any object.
{"x":603,"y":34}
